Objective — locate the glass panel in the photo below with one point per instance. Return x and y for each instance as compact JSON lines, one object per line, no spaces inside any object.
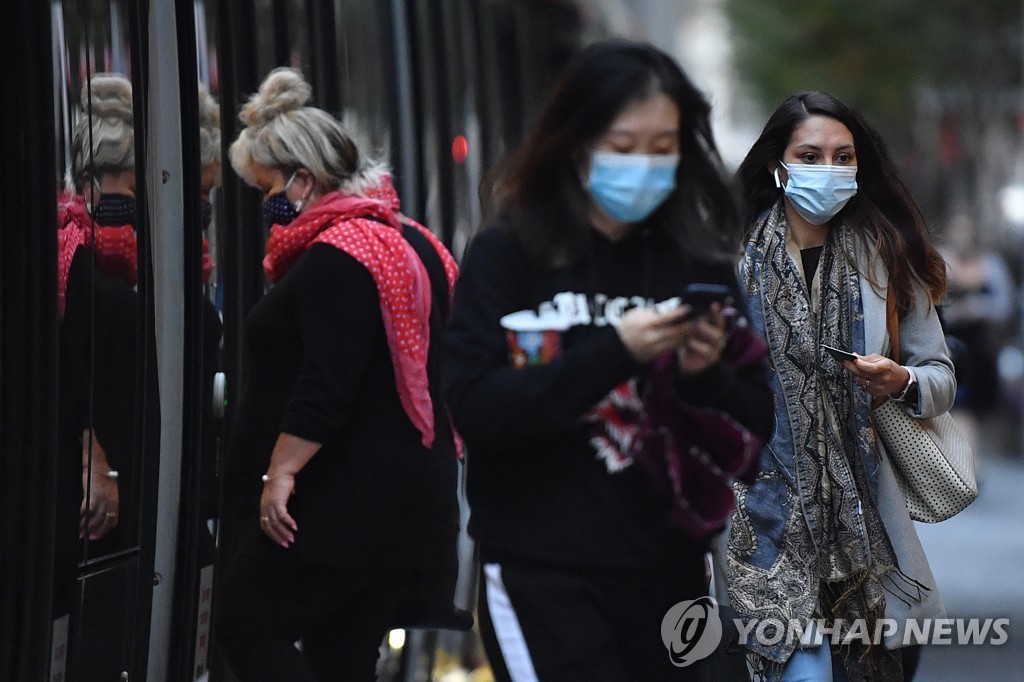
{"x":464,"y":139}
{"x":367,"y":86}
{"x":98,"y":504}
{"x":98,"y":268}
{"x":109,"y":600}
{"x":211,"y":398}
{"x":282,"y":38}
{"x":428,"y":65}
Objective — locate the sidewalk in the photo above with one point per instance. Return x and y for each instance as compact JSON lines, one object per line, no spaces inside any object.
{"x":978,"y":561}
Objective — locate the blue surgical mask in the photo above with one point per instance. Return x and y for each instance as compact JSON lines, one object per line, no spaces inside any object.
{"x":818,"y":193}
{"x":629,"y":187}
{"x":278,"y":209}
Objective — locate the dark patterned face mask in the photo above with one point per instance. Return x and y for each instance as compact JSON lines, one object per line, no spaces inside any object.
{"x":114,"y":210}
{"x":277,"y":209}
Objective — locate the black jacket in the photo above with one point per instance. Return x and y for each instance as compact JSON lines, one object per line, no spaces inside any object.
{"x":318,"y":367}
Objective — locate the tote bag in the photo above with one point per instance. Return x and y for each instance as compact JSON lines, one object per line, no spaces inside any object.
{"x":932,"y":459}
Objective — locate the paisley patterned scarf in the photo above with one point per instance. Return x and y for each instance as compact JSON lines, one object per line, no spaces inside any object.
{"x":807,"y":540}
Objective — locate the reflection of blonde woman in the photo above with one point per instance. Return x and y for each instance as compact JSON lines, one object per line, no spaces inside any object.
{"x":100,"y":200}
{"x":210,"y":160}
{"x":342,"y":470}
{"x":96,"y":268}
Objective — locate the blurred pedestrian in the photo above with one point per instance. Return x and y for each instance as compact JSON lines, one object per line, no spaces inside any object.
{"x":583,"y":387}
{"x":342,"y":462}
{"x":979,"y":310}
{"x":824,"y":532}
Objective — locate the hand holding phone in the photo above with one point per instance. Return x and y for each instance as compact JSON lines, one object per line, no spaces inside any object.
{"x":839,"y":354}
{"x":700,"y":297}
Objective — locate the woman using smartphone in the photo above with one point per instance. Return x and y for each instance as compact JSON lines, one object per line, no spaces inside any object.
{"x":824,"y":532}
{"x":612,"y":206}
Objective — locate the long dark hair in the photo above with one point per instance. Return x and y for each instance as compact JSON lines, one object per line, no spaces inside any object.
{"x":882,"y":205}
{"x":538,"y":189}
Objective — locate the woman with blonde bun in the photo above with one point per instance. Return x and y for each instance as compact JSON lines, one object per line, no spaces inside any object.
{"x":342,"y":465}
{"x":96,"y":266}
{"x":97,"y":209}
{"x":96,"y":270}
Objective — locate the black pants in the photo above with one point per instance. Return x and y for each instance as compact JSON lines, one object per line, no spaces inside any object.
{"x":557,"y":625}
{"x":267,"y":601}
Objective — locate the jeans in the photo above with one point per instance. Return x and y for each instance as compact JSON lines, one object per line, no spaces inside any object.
{"x":809,"y":665}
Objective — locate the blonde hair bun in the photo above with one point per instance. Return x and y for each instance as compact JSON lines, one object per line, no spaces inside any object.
{"x":282,"y":91}
{"x":209,"y":110}
{"x":108,"y":95}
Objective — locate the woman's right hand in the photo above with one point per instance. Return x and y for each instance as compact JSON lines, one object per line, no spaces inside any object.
{"x":276,"y":522}
{"x":647,"y":333}
{"x":101,"y":502}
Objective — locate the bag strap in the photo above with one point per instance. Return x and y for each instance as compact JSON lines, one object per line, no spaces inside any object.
{"x":892,"y":323}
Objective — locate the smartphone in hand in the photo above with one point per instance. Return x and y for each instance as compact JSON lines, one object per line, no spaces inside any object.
{"x":700,"y":296}
{"x":839,"y":354}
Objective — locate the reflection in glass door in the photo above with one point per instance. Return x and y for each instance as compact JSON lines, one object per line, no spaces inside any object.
{"x":101,"y":497}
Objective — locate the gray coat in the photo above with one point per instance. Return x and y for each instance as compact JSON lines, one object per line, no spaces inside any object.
{"x":923,"y":347}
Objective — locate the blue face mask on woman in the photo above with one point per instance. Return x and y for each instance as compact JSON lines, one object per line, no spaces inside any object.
{"x":818,"y":193}
{"x":277,"y":209}
{"x":629,"y":187}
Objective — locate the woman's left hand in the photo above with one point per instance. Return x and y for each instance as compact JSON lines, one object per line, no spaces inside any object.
{"x":704,"y":342}
{"x":878,"y":375}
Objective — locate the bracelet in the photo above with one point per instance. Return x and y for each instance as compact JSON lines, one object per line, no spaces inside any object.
{"x":111,"y":474}
{"x":266,"y":479}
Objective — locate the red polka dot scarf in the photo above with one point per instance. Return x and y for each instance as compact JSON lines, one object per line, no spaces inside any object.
{"x":368,"y":230}
{"x":114,"y":247}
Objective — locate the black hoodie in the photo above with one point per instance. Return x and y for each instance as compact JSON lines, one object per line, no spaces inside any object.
{"x":543,"y":480}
